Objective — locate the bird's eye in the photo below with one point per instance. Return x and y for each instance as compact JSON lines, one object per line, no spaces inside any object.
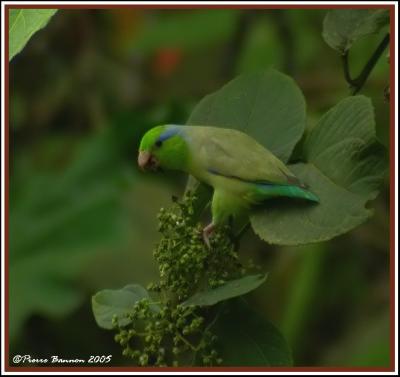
{"x":158,"y":143}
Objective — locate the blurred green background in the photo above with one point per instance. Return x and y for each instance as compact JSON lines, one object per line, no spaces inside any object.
{"x":83,"y":218}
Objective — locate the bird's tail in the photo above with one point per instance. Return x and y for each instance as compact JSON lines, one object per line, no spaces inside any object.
{"x":291,"y":191}
{"x":304,"y":193}
{"x":301,"y":189}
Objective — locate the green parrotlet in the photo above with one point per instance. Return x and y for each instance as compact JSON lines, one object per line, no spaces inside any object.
{"x":242,"y":172}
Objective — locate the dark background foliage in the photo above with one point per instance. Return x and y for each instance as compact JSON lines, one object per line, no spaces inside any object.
{"x":83,"y":218}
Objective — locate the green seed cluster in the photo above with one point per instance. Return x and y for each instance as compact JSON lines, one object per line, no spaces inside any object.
{"x":186,"y":263}
{"x":167,"y":333}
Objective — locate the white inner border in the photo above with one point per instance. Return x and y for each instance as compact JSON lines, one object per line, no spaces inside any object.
{"x":247,"y":3}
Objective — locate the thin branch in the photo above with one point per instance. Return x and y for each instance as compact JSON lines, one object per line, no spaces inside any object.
{"x":362,"y":78}
{"x":357,"y":83}
{"x":346,"y":70}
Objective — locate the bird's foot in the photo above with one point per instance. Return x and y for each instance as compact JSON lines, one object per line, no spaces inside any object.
{"x":207,"y":231}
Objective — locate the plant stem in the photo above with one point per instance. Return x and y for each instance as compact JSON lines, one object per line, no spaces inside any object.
{"x":346,"y":71}
{"x":357,"y":83}
{"x":190,"y":345}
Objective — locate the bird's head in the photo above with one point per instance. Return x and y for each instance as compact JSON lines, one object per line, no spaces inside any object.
{"x":163,"y":147}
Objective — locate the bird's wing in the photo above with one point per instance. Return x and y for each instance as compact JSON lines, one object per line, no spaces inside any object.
{"x":233,"y":154}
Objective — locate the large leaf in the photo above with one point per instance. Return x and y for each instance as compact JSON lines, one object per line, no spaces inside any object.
{"x":23,"y":23}
{"x":344,"y":167}
{"x":247,"y":339}
{"x":268,"y":106}
{"x":109,"y":303}
{"x":232,"y":288}
{"x":342,"y":27}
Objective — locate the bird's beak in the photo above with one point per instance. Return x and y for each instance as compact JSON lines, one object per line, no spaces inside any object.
{"x":144,"y":158}
{"x":147,"y":161}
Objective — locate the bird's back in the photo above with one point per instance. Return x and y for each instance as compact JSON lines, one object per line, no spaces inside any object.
{"x":232,"y":153}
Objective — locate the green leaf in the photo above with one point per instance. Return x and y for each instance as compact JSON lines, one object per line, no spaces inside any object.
{"x":342,"y":27}
{"x":109,"y":303}
{"x":268,"y":106}
{"x":232,"y":288}
{"x":247,"y":339}
{"x":344,"y":167}
{"x":23,"y":23}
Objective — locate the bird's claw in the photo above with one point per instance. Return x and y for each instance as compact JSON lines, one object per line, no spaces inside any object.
{"x":206,"y":240}
{"x":206,"y":234}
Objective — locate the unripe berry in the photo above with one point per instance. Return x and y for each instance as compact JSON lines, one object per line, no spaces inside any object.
{"x":144,"y":359}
